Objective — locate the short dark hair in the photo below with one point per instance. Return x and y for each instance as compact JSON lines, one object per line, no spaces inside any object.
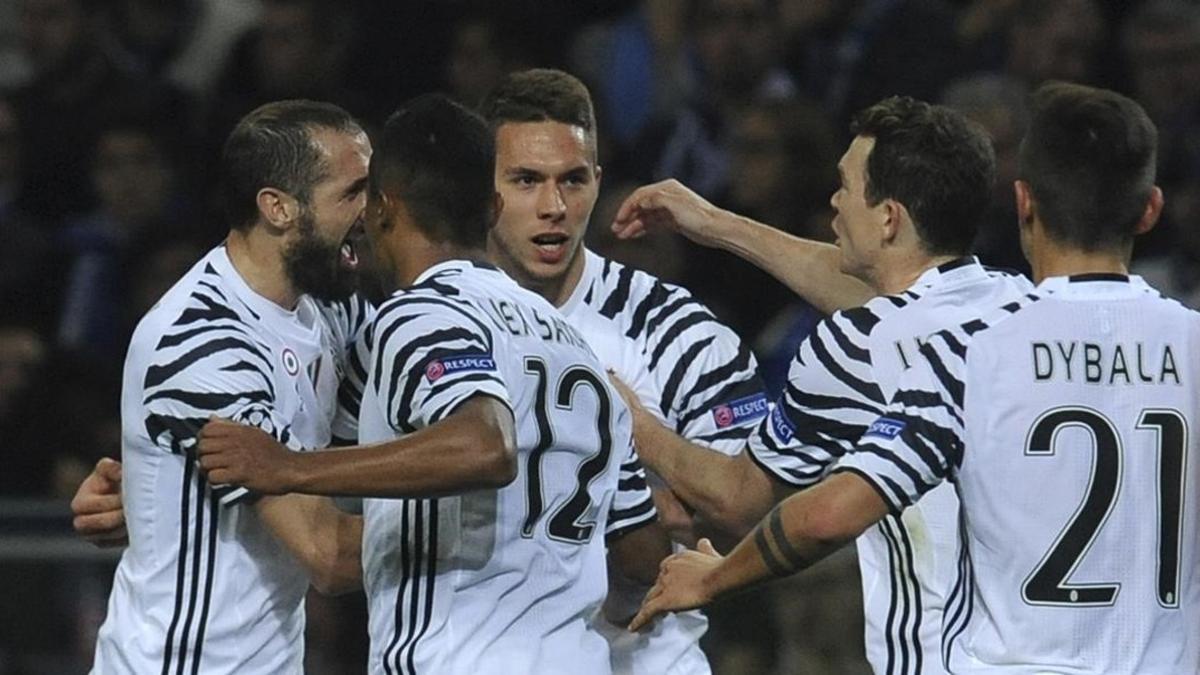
{"x":273,"y":146}
{"x":540,"y":95}
{"x":1089,"y":159}
{"x":935,"y":162}
{"x":439,"y":158}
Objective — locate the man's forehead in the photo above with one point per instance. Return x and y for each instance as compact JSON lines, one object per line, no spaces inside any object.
{"x":543,"y":140}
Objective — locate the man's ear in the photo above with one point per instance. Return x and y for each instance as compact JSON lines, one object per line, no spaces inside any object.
{"x":497,"y":208}
{"x":895,"y":215}
{"x":1150,"y":215}
{"x":277,"y":208}
{"x":1026,"y":210}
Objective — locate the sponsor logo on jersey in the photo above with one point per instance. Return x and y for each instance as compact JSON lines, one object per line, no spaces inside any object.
{"x":886,"y":428}
{"x":741,"y":410}
{"x":439,"y":368}
{"x":782,"y":426}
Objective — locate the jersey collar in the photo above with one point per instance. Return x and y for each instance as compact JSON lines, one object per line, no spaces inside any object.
{"x":958,"y":271}
{"x":455,"y":264}
{"x":592,"y":264}
{"x":1094,"y":284}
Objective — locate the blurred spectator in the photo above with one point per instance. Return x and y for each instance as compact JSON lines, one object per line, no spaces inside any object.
{"x":1055,"y":41}
{"x":23,"y":355}
{"x":998,"y":103}
{"x":483,"y":50}
{"x":135,"y":176}
{"x":852,"y":53}
{"x":1175,"y":272}
{"x":783,"y":170}
{"x":1161,"y":46}
{"x":184,"y":42}
{"x":734,"y":44}
{"x":25,"y":245}
{"x":76,"y":85}
{"x":298,"y":49}
{"x":637,"y":68}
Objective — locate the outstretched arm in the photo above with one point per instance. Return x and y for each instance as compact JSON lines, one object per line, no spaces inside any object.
{"x":798,"y":533}
{"x":810,"y":268}
{"x":473,"y":447}
{"x":730,"y":493}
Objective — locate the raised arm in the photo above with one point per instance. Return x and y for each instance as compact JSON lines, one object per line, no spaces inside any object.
{"x":473,"y":447}
{"x":810,"y":268}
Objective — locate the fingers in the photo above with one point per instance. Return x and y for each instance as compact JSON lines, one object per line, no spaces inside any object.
{"x":217,"y":427}
{"x":638,"y":200}
{"x":705,"y":546}
{"x":104,"y":530}
{"x":649,"y":611}
{"x":100,"y":524}
{"x":109,"y":469}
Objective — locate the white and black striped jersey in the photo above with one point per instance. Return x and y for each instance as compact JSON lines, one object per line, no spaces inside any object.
{"x":696,"y":376}
{"x":841,"y":378}
{"x":1064,"y":422}
{"x":203,"y":586}
{"x":504,"y":580}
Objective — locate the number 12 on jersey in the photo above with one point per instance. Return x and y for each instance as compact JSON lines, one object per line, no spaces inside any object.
{"x":570,"y":522}
{"x":1047,"y":584}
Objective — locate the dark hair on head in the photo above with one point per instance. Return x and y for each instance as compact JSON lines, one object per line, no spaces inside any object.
{"x":935,"y":162}
{"x":438,"y":158}
{"x":540,"y":95}
{"x":273,"y":147}
{"x":1089,"y":159}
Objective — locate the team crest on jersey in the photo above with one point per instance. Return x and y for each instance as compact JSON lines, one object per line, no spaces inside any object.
{"x":291,"y":363}
{"x":439,"y":368}
{"x":783,"y":427}
{"x":741,"y":410}
{"x":886,"y":428}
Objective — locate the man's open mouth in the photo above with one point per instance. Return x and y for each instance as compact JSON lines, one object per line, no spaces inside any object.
{"x":349,"y":248}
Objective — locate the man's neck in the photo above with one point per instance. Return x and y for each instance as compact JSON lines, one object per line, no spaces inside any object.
{"x":900,"y":273}
{"x":416,"y":258}
{"x":1063,"y":262}
{"x":257,"y":259}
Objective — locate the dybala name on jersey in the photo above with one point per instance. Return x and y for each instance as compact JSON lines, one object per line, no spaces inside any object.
{"x":1104,"y":363}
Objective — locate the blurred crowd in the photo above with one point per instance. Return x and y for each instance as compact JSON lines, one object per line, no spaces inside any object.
{"x":112,"y":113}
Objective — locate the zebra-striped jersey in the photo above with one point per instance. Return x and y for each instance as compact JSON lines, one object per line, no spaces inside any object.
{"x":203,"y":586}
{"x":696,"y":376}
{"x":842,"y":377}
{"x":1064,"y":422}
{"x":500,"y":580}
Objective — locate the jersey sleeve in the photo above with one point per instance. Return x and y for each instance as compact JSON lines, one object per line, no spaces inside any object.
{"x":218,"y":370}
{"x":829,"y":401}
{"x":918,"y":442}
{"x":711,"y":389}
{"x":633,"y":504}
{"x":352,"y":320}
{"x":431,"y":354}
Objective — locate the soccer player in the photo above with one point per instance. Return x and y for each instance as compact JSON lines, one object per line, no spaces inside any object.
{"x":688,"y":369}
{"x":914,"y":184}
{"x":257,"y":331}
{"x":502,"y":460}
{"x":1063,"y":419}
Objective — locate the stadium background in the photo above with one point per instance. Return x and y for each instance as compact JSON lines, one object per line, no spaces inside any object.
{"x":112,"y":113}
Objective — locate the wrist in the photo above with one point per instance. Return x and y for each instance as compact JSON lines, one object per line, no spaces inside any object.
{"x":292,"y":472}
